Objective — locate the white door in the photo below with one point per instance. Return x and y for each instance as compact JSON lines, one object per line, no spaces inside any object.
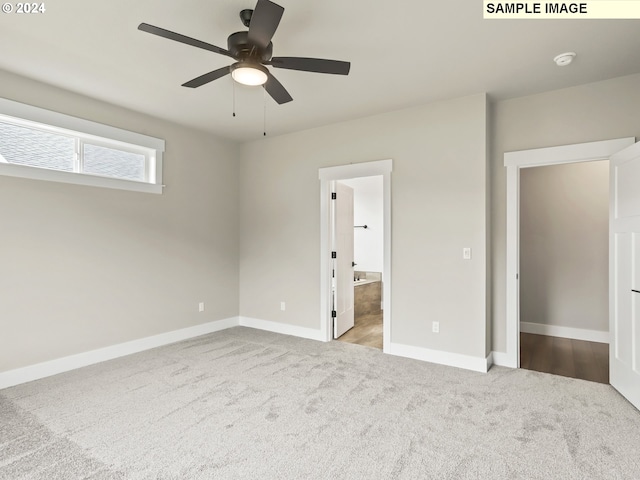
{"x":343,"y":300}
{"x":624,"y":279}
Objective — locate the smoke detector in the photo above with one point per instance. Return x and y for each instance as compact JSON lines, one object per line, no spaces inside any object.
{"x":564,"y":59}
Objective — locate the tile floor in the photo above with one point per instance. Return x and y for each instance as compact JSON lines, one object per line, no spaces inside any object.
{"x":366,"y":331}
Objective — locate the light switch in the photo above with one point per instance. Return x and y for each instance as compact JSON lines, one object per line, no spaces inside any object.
{"x":466,"y":253}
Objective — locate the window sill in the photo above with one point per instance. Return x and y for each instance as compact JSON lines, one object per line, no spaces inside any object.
{"x":33,"y":173}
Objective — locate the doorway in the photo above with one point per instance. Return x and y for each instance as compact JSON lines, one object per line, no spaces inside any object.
{"x":564,"y":269}
{"x":624,"y":252}
{"x":363,"y":270}
{"x":514,"y":162}
{"x":328,"y":178}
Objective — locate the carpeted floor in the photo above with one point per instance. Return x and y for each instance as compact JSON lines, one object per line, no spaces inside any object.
{"x":246,"y":404}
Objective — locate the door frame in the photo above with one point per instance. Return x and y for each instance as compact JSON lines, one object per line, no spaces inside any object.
{"x":514,"y":161}
{"x":327,"y":176}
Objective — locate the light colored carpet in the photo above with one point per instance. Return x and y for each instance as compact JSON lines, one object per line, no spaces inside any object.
{"x":246,"y":404}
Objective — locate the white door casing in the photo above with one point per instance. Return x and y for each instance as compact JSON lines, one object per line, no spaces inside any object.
{"x":326,"y":176}
{"x":624,"y":273}
{"x":514,"y":161}
{"x":343,"y":205}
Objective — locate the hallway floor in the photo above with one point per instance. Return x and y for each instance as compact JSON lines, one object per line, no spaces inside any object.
{"x":565,"y":356}
{"x":366,"y":331}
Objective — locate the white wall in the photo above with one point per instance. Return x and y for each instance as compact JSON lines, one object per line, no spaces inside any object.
{"x":84,"y":267}
{"x":368,"y":244}
{"x":564,"y":245}
{"x":438,"y":196}
{"x":586,"y":113}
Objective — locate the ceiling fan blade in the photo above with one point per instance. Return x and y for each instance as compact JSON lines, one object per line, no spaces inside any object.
{"x":264,"y":22}
{"x":317,"y":65}
{"x":207,"y":77}
{"x":276,"y":90}
{"x":161,"y":32}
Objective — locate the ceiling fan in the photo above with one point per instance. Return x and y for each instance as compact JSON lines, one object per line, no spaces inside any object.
{"x":252,"y":50}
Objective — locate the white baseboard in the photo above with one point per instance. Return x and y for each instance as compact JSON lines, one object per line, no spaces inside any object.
{"x":565,"y":332}
{"x":71,"y":362}
{"x":284,"y":328}
{"x":489,"y":361}
{"x":477,"y":364}
{"x":502,"y":359}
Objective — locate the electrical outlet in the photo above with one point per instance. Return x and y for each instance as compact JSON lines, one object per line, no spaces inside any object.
{"x":435,"y":327}
{"x":201,"y":307}
{"x":466,"y":253}
{"x":283,"y":306}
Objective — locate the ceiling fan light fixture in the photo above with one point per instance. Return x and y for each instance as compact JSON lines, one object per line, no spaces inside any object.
{"x":252,"y":74}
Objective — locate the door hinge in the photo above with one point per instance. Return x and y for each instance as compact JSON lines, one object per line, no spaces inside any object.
{"x":334,"y":195}
{"x":334,"y":255}
{"x":334,"y":314}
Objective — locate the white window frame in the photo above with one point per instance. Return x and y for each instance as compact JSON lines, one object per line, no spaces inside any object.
{"x":84,"y":131}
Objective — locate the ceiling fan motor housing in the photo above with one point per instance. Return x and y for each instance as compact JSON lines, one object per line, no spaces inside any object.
{"x":245,"y":16}
{"x":239,"y":46}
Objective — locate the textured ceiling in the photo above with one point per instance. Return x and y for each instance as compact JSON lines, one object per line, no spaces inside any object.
{"x":403,"y":53}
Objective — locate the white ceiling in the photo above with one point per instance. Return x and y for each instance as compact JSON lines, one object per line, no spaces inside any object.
{"x":403,"y":53}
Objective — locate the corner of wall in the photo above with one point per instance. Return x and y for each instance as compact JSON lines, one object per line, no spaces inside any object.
{"x":488,"y":224}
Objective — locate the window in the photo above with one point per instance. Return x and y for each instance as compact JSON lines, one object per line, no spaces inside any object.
{"x":45,"y":145}
{"x":114,"y":163}
{"x":27,"y":146}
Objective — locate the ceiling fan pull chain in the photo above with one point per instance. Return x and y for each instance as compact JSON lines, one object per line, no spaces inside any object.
{"x":264,"y":126}
{"x":234,"y":96}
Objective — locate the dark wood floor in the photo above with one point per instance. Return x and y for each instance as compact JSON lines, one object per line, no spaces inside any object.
{"x":366,"y":331}
{"x":565,"y":356}
{"x":560,"y":356}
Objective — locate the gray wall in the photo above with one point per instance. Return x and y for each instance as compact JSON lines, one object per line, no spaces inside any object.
{"x":438,"y":207}
{"x":83,"y":268}
{"x":587,"y":113}
{"x":564,"y":245}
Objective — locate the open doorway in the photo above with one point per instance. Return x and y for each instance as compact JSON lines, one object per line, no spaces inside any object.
{"x":363,"y":270}
{"x":624,"y":252}
{"x":564,"y":269}
{"x":329,"y":178}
